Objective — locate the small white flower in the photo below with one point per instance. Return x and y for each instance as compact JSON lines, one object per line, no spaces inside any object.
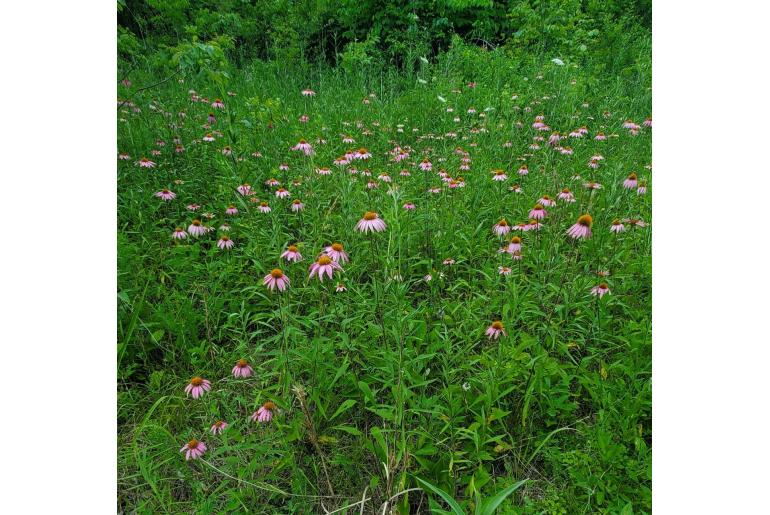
{"x":557,"y":61}
{"x":466,"y":386}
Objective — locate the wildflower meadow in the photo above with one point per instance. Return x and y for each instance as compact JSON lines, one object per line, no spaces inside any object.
{"x":374,"y":289}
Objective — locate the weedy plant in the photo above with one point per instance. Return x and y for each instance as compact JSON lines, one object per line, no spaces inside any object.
{"x":361,"y":293}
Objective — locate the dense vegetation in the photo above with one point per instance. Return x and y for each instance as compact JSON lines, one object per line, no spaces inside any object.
{"x":399,"y":384}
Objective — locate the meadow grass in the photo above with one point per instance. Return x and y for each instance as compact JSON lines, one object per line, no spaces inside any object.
{"x":393,"y":383}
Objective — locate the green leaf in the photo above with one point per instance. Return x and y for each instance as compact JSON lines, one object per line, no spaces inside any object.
{"x":491,"y":505}
{"x":456,"y":509}
{"x":343,"y":408}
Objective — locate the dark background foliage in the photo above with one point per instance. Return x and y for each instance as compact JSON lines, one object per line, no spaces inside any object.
{"x":396,"y":32}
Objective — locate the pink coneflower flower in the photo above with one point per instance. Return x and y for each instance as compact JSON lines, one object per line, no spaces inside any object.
{"x":196,"y":228}
{"x":501,"y":228}
{"x":281,"y":193}
{"x":244,"y":189}
{"x":647,"y":122}
{"x":291,"y":254}
{"x":362,"y":153}
{"x":582,"y":228}
{"x":434,"y":190}
{"x":211,"y":120}
{"x":533,"y":225}
{"x":371,"y":185}
{"x":303,"y":146}
{"x":523,"y":170}
{"x":304,"y":118}
{"x":425,"y":165}
{"x":231,"y":210}
{"x":337,"y":253}
{"x":218,"y":427}
{"x":384,"y":177}
{"x":341,"y":161}
{"x":592,"y":185}
{"x":371,"y":222}
{"x":156,"y":152}
{"x":515,"y":188}
{"x":197,"y":387}
{"x":146,"y":163}
{"x":546,"y":201}
{"x":449,"y":262}
{"x":165,"y":194}
{"x":124,"y":157}
{"x":227,"y":151}
{"x":537,"y":212}
{"x":208,"y":137}
{"x":297,"y":205}
{"x":503,"y":270}
{"x":629,"y":124}
{"x":601,"y":290}
{"x":630,"y":182}
{"x":617,"y":226}
{"x":218,"y":104}
{"x":600,"y":136}
{"x":264,"y":413}
{"x":554,"y":139}
{"x":323,"y":265}
{"x":242,"y":369}
{"x":514,"y":245}
{"x":566,"y":195}
{"x":516,"y":255}
{"x":225,"y":243}
{"x":635,"y":222}
{"x":224,"y":227}
{"x":323,"y":171}
{"x":308,"y":93}
{"x":409,"y":206}
{"x":499,"y":175}
{"x":264,"y":207}
{"x":495,"y":330}
{"x":348,"y":140}
{"x":179,"y":149}
{"x":340,"y":288}
{"x":193,"y":449}
{"x":178,"y":234}
{"x":642,"y":189}
{"x":276,"y":278}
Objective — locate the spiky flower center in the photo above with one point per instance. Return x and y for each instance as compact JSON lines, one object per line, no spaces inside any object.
{"x":276,"y":273}
{"x":337,"y":247}
{"x":370,"y":215}
{"x":292,"y":248}
{"x":269,"y":405}
{"x":178,"y":229}
{"x":538,"y":207}
{"x":497,"y":325}
{"x":224,"y":237}
{"x":231,"y":206}
{"x":516,"y":240}
{"x":603,"y":286}
{"x":616,"y":222}
{"x":565,"y":190}
{"x":192,"y":444}
{"x":545,"y":197}
{"x":503,"y":222}
{"x":302,"y":142}
{"x":585,"y":220}
{"x":281,"y":189}
{"x":499,"y":172}
{"x":324,"y":260}
{"x":362,"y":150}
{"x":242,"y":363}
{"x":196,"y":222}
{"x":632,"y":176}
{"x":196,"y":381}
{"x":296,"y":202}
{"x":263,"y":204}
